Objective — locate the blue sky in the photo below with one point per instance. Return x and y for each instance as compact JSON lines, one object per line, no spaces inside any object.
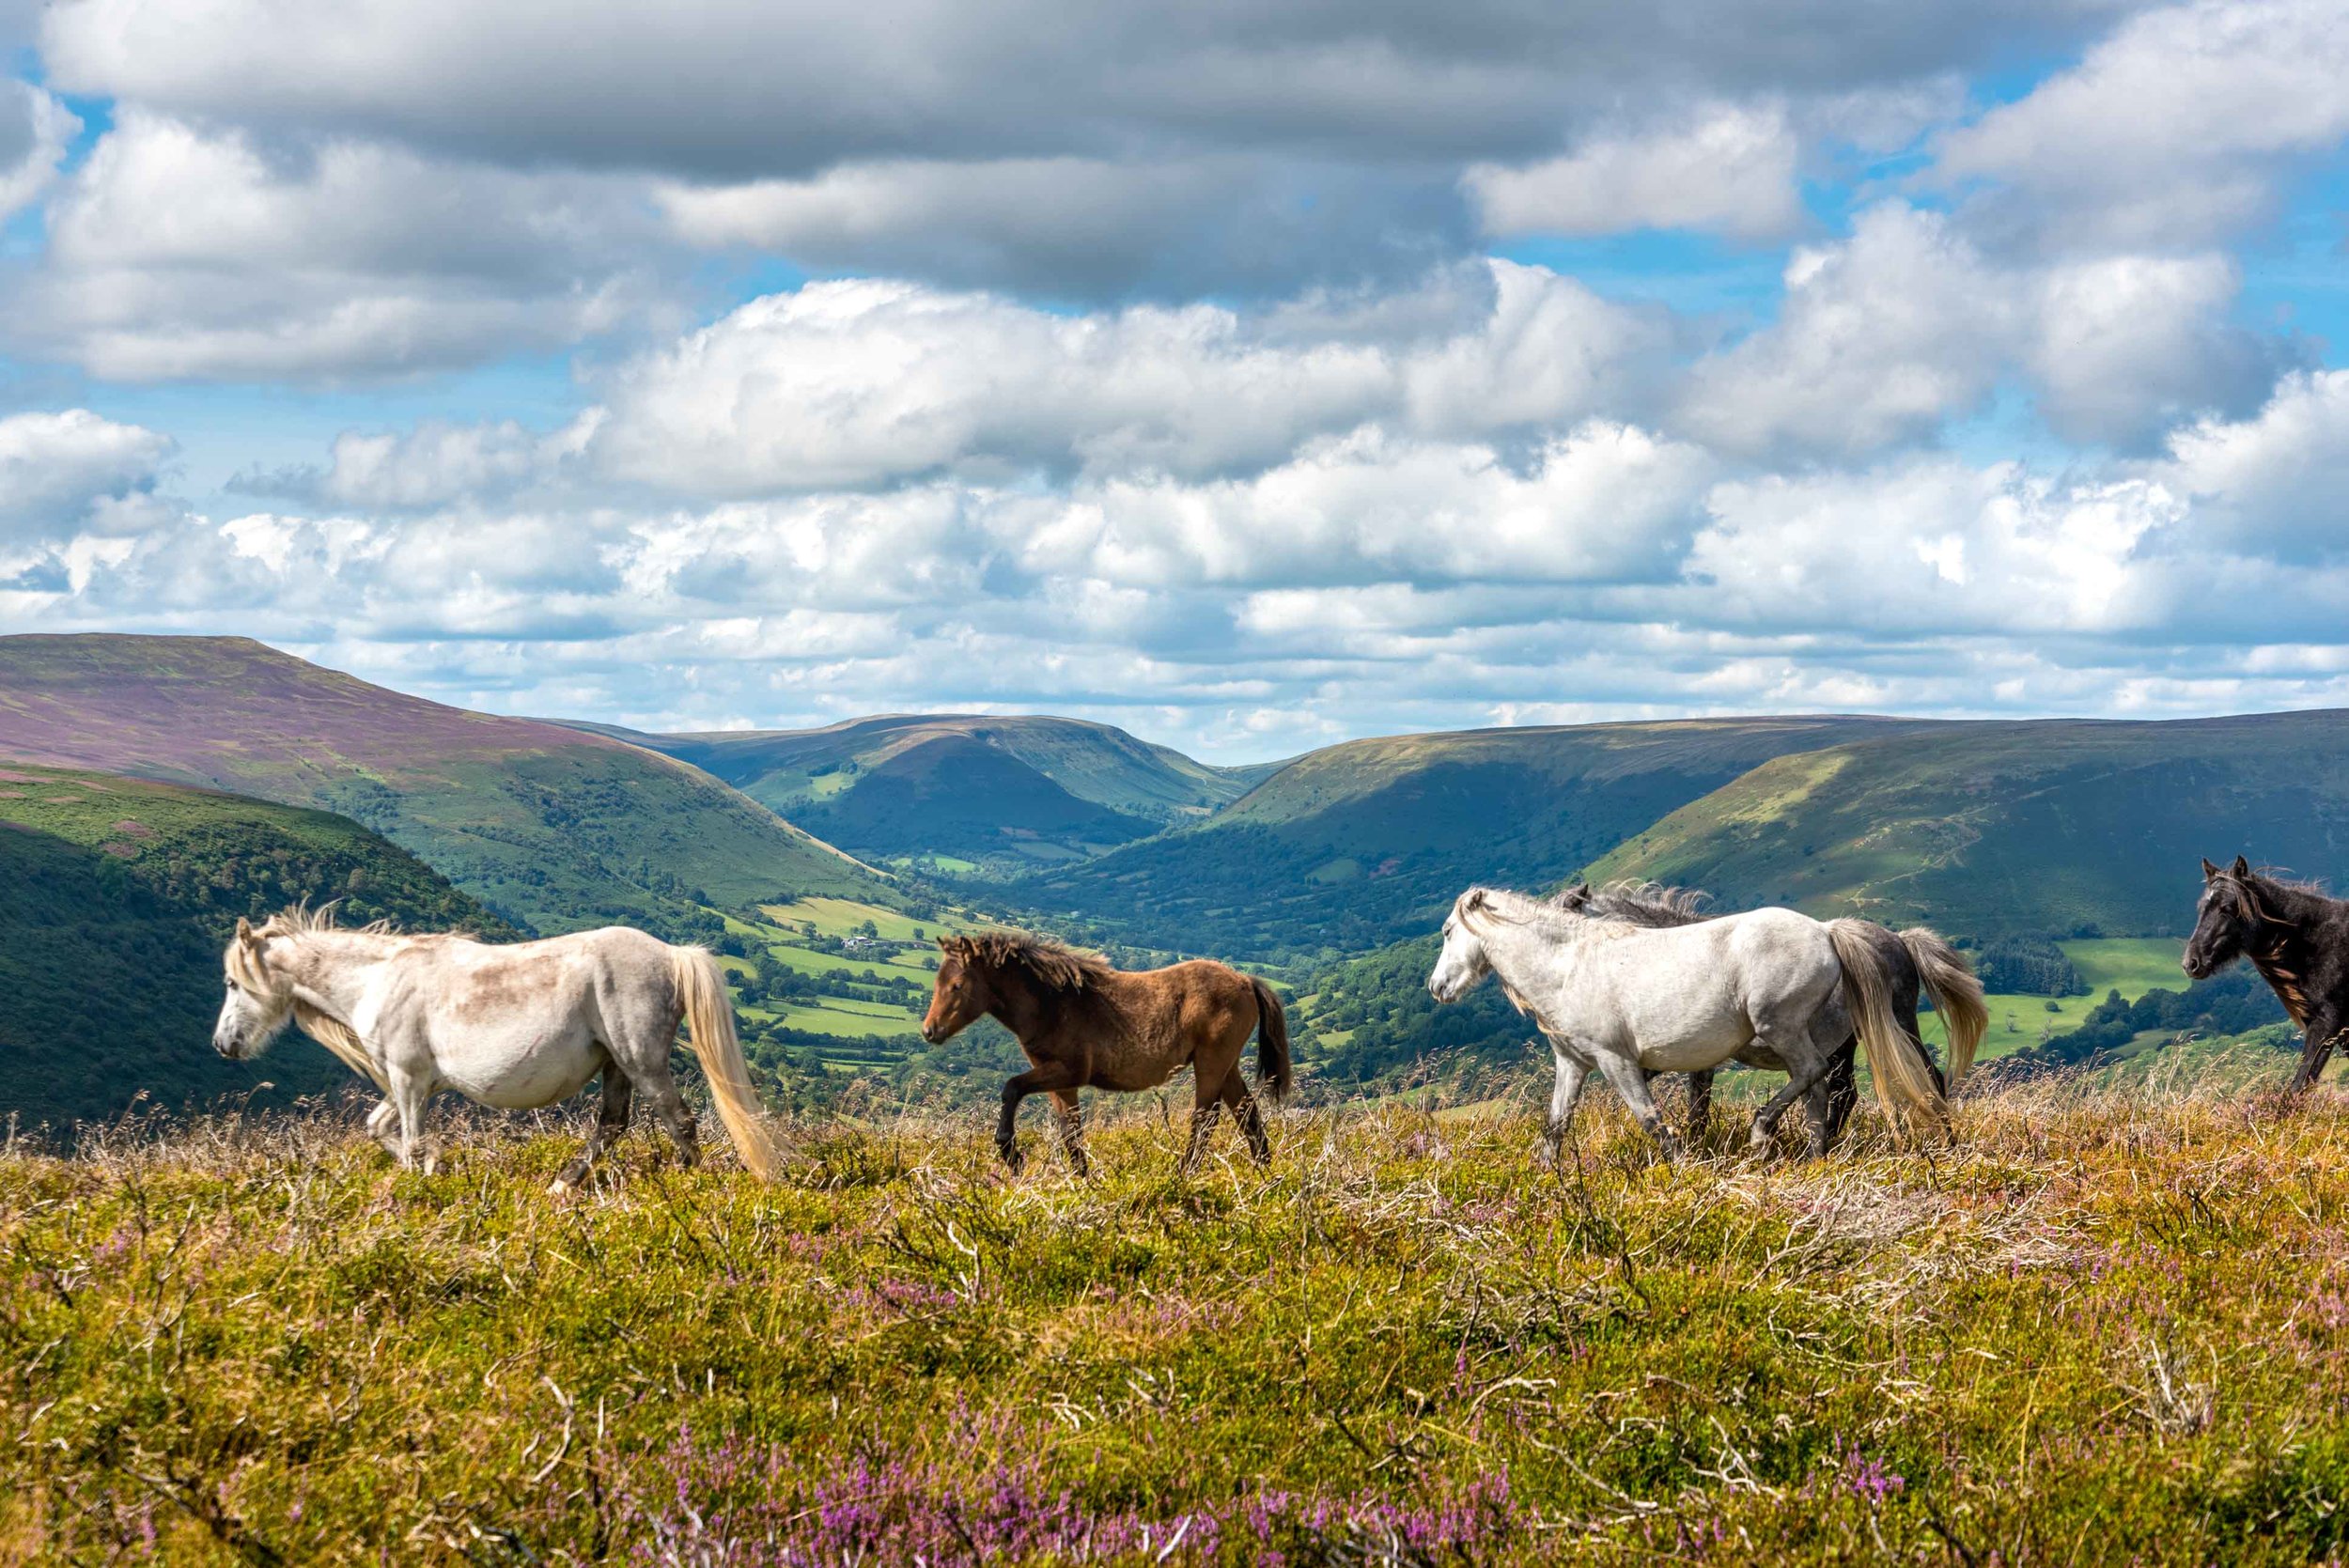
{"x":1253,"y":377}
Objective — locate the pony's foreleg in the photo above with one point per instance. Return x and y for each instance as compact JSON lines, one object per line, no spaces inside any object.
{"x":2321,"y":1035}
{"x":1036,"y":1081}
{"x":611,"y":1122}
{"x":1623,"y":1074}
{"x":382,"y":1124}
{"x":1072,"y":1130}
{"x":409,"y":1094}
{"x":1562,"y":1094}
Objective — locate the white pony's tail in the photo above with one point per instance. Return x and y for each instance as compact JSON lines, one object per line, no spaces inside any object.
{"x":1948,"y":980}
{"x":1905,"y":1085}
{"x":701,"y":988}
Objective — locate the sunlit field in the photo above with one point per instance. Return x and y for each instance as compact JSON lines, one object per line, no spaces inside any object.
{"x":2112,"y":1324}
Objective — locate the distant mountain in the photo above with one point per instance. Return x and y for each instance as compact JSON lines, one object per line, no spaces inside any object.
{"x":1002,"y":792}
{"x":1350,"y":847}
{"x":115,"y":898}
{"x":556,"y":828}
{"x":2058,"y":825}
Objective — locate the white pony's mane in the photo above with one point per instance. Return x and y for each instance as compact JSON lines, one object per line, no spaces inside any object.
{"x":1519,"y":909}
{"x":255,"y":978}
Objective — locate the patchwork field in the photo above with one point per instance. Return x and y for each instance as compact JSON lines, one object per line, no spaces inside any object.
{"x":2107,"y":1327}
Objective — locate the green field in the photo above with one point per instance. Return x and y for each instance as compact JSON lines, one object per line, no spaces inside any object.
{"x":2130,"y":965}
{"x":2101,"y":1329}
{"x":840,"y":917}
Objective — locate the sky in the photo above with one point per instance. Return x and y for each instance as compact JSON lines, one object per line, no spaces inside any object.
{"x":1252,"y":375}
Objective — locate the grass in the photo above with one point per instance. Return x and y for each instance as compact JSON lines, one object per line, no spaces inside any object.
{"x":2111,"y":1324}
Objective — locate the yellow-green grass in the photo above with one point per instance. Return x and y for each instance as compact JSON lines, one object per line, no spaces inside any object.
{"x":2107,"y":1326}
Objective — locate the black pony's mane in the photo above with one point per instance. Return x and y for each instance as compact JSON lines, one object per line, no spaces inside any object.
{"x":1634,"y":902}
{"x":1052,"y":966}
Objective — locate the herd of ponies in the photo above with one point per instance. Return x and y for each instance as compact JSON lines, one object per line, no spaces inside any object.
{"x":1628,"y":980}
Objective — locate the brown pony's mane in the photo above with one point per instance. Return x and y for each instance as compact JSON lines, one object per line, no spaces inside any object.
{"x":1053,"y":967}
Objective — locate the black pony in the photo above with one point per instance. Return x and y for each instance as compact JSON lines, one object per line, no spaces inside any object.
{"x":2295,"y":936}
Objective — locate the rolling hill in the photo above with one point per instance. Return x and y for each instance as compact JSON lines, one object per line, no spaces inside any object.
{"x":1350,"y":847}
{"x":115,"y":898}
{"x":2070,"y":826}
{"x":963,"y":791}
{"x":555,"y":828}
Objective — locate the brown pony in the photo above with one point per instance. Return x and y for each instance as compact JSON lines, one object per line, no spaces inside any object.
{"x":1088,"y":1026}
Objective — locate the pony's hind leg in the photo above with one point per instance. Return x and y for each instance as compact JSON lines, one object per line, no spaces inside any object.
{"x":1700,"y":1105}
{"x":676,"y":1117}
{"x":611,"y":1122}
{"x":1072,"y":1130}
{"x":1244,"y":1111}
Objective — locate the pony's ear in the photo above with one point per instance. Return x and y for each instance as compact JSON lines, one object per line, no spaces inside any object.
{"x":2209,"y":870}
{"x":245,"y":934}
{"x":2241,"y":868}
{"x":1475,"y":899}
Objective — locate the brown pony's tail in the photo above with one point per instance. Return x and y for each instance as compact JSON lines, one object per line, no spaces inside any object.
{"x":1956,"y":996}
{"x":1904,"y":1082}
{"x":1272,"y":1041}
{"x":701,"y":988}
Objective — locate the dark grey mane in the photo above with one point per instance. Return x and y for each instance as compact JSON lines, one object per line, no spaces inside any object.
{"x":1633,"y":902}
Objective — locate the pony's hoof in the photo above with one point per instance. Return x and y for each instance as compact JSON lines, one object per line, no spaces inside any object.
{"x":1012,"y":1162}
{"x":561,"y":1189}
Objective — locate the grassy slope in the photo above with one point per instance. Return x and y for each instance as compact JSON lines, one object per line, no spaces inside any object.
{"x":115,"y":898}
{"x":1353,"y":847}
{"x":2102,"y":1330}
{"x":976,"y":786}
{"x":560,"y":828}
{"x":2052,"y":826}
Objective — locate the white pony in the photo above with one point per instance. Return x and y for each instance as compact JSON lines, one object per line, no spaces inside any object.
{"x":1632,"y":1000}
{"x":516,"y":1024}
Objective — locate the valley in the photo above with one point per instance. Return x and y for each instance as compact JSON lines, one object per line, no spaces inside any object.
{"x":823,"y":863}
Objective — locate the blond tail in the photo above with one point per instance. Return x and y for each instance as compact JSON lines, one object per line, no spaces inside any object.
{"x":1903,"y":1084}
{"x":1948,"y":980}
{"x":701,"y":988}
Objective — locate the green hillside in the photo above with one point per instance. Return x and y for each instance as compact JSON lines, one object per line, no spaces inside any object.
{"x":115,"y":898}
{"x":1350,"y":847}
{"x":1006,"y":792}
{"x":2072,"y":827}
{"x":555,"y":828}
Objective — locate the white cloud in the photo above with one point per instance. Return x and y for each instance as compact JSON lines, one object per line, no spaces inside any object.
{"x":1880,"y":339}
{"x":1886,"y":337}
{"x":854,"y":383}
{"x":178,"y":252}
{"x":2172,"y":130}
{"x":1607,"y":503}
{"x":1731,"y":168}
{"x":35,"y":132}
{"x":73,"y":473}
{"x":2273,"y":484}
